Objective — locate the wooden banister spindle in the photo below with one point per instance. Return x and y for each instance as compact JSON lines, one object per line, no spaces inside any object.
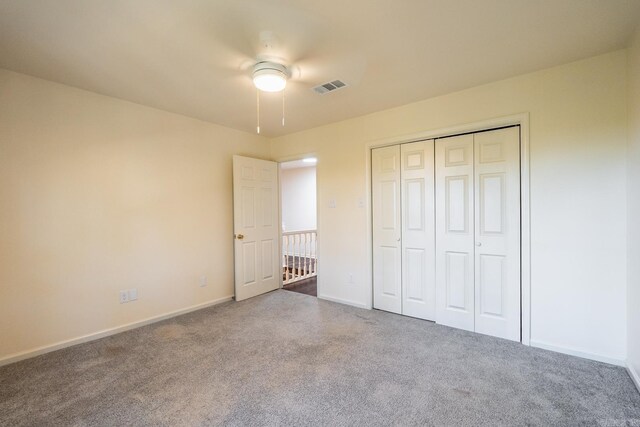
{"x":296,"y":257}
{"x":285,"y":245}
{"x":307,"y":253}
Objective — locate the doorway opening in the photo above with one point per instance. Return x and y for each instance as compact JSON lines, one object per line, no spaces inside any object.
{"x":299,"y":226}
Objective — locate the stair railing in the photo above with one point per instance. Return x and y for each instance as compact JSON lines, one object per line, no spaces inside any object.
{"x":299,"y":260}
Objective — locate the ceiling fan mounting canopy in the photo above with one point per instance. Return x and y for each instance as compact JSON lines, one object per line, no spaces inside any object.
{"x":270,"y":76}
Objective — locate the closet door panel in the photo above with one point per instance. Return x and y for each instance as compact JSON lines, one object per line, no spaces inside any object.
{"x":418,"y":240}
{"x":454,"y":184}
{"x":387,"y":231}
{"x":497,"y":235}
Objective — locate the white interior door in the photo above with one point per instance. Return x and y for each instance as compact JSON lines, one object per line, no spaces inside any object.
{"x":455,"y":231}
{"x":387,"y":269}
{"x":418,"y":240}
{"x":497,"y":233}
{"x":255,"y":222}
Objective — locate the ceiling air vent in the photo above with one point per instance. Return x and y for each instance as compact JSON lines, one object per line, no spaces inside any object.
{"x":329,"y":87}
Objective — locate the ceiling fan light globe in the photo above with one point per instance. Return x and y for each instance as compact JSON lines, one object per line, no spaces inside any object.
{"x":270,"y":81}
{"x":270,"y":76}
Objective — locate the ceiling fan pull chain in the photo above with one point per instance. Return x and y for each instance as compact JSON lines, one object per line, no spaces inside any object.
{"x":258,"y":109}
{"x":282,"y":107}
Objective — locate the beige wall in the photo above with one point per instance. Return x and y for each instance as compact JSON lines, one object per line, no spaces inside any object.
{"x":99,"y":195}
{"x":633,"y":236}
{"x":578,"y":138}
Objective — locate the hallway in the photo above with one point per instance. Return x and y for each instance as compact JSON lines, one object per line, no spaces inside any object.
{"x":306,"y":286}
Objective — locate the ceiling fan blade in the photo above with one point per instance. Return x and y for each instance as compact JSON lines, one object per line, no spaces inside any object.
{"x":349,"y":68}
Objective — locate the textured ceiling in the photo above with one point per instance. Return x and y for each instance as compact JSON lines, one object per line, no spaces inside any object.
{"x":193,"y":56}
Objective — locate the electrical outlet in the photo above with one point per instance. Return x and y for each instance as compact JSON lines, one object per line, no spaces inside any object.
{"x":133,"y":294}
{"x":351,"y":279}
{"x":124,"y":297}
{"x":203,"y":281}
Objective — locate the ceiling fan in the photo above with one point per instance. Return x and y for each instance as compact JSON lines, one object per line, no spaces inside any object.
{"x":273,"y":65}
{"x":268,"y":72}
{"x":269,"y":69}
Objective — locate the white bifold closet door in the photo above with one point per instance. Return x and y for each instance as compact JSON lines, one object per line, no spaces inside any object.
{"x":387,"y":231}
{"x":478,"y":232}
{"x":455,"y":232}
{"x":403,"y":229}
{"x":418,"y":234}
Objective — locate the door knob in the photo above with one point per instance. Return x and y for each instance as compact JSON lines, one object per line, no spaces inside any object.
{"x":478,"y":244}
{"x":239,"y":236}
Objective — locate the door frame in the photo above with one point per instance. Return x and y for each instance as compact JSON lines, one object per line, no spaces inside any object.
{"x":285,"y":159}
{"x":521,"y":119}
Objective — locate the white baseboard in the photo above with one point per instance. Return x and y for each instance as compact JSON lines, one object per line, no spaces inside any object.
{"x":344,"y":301}
{"x":12,"y":358}
{"x":578,"y":353}
{"x":634,"y":375}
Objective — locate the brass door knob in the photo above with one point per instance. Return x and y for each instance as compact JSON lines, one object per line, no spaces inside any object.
{"x":239,"y":236}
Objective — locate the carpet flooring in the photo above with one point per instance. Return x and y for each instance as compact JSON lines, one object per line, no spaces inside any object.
{"x":289,"y":359}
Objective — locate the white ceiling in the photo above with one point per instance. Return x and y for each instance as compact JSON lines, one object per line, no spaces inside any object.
{"x":192,"y":56}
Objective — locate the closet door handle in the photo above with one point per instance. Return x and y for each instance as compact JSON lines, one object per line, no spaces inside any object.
{"x":478,"y":243}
